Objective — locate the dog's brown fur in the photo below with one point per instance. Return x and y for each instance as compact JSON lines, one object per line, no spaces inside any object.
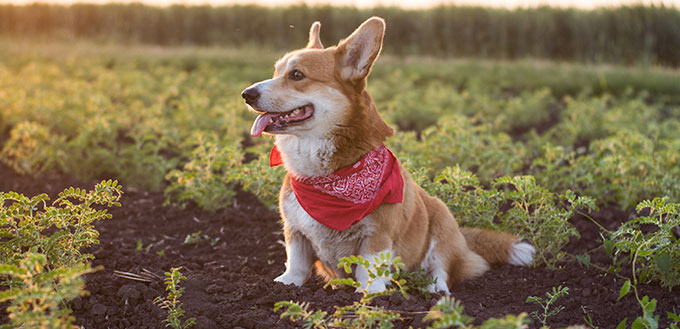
{"x":420,"y":230}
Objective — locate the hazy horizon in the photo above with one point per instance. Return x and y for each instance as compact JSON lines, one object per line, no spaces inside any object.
{"x":584,"y":4}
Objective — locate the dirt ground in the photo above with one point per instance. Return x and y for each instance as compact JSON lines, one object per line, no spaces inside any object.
{"x":230,"y":275}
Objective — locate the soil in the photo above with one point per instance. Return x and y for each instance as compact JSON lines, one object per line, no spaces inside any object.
{"x":230,"y":275}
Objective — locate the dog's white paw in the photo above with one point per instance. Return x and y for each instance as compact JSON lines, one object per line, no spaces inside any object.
{"x":288,"y":278}
{"x":439,"y":287}
{"x":522,"y":254}
{"x":378,"y":285}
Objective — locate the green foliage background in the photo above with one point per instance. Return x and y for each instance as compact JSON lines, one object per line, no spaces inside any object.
{"x":627,"y":34}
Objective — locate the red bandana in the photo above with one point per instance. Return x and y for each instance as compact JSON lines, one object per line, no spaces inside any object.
{"x":344,"y":197}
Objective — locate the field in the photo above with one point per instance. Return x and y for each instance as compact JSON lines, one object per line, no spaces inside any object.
{"x":581,"y":160}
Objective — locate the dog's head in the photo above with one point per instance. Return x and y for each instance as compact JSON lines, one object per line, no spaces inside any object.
{"x":319,"y":91}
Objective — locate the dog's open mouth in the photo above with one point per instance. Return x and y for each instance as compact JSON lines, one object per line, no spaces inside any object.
{"x":277,"y":121}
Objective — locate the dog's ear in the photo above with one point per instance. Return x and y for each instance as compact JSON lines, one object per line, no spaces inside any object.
{"x":314,"y":36}
{"x":355,"y":54}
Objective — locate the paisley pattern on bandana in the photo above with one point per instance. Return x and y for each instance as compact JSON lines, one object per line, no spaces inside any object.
{"x":359,"y":187}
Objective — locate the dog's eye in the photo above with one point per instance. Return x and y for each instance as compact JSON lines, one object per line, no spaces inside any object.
{"x":296,"y":75}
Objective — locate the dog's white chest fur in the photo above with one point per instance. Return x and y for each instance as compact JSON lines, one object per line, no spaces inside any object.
{"x":328,"y":244}
{"x":306,"y":157}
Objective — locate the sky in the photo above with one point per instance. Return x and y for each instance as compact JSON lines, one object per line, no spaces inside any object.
{"x":586,"y":4}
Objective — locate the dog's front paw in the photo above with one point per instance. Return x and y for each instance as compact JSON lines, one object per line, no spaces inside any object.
{"x":288,"y":278}
{"x":439,"y":288}
{"x":378,"y":285}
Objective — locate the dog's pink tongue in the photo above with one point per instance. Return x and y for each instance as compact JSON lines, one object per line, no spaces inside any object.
{"x":260,"y":124}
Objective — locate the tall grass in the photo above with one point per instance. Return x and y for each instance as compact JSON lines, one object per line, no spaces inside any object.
{"x":629,"y":34}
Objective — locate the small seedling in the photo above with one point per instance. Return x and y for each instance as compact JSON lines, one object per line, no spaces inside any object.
{"x":171,"y":303}
{"x":546,"y":302}
{"x":588,"y":319}
{"x":194,"y":238}
{"x":448,"y":312}
{"x":198,"y":237}
{"x":418,"y":281}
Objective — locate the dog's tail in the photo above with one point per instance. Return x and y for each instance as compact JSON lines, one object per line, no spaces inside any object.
{"x":499,"y":247}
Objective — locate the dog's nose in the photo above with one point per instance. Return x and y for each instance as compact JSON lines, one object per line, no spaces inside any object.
{"x":250,"y":95}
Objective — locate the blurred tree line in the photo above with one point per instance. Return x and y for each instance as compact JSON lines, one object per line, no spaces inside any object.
{"x":629,"y":34}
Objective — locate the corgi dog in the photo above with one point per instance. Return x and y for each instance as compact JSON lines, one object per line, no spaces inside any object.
{"x":345,"y":193}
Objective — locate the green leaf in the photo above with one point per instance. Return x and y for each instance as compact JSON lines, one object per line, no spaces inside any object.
{"x":648,"y":306}
{"x":609,"y":246}
{"x":622,"y":324}
{"x":624,"y":290}
{"x":638,"y":324}
{"x":645,"y":253}
{"x":583,"y":260}
{"x":673,"y":316}
{"x":663,"y":261}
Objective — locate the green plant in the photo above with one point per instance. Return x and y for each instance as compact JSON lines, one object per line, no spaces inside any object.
{"x":418,"y":281}
{"x":588,"y":319}
{"x":171,"y":303}
{"x":38,"y":296}
{"x":654,"y":254}
{"x":143,"y":161}
{"x":205,"y":178}
{"x":259,"y":178}
{"x":545,"y":304}
{"x":469,"y":202}
{"x":513,"y":204}
{"x":448,"y":312}
{"x":59,"y":231}
{"x":536,"y":215}
{"x":676,"y":320}
{"x":32,"y":149}
{"x":648,"y":320}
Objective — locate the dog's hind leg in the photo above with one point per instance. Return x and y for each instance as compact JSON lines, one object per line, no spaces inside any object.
{"x":300,"y":257}
{"x":433,"y":264}
{"x":449,"y":259}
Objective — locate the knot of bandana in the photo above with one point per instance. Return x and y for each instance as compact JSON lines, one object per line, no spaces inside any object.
{"x":344,"y":197}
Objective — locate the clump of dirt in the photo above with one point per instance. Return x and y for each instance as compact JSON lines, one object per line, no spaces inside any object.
{"x":239,"y":252}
